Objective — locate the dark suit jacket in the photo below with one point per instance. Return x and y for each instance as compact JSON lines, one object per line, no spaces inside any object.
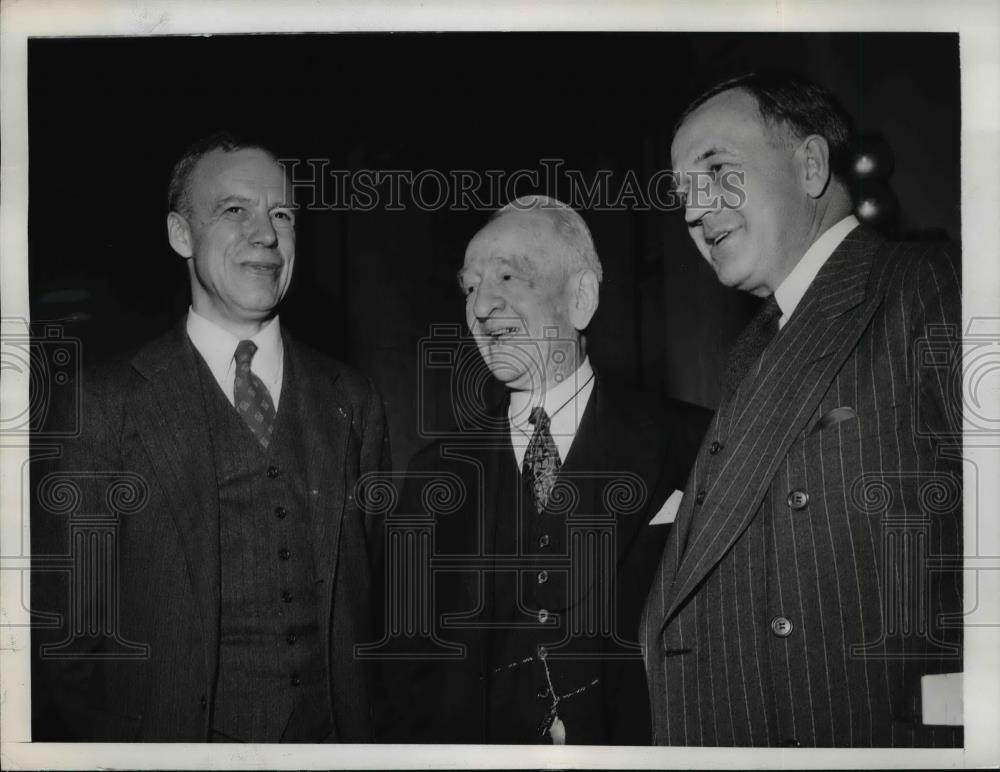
{"x":806,"y":587}
{"x":620,"y":438}
{"x":144,"y":451}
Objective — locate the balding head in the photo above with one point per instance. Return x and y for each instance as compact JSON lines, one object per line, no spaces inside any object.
{"x":568,"y":225}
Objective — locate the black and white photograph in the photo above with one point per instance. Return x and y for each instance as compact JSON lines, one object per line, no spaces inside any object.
{"x":499,"y":387}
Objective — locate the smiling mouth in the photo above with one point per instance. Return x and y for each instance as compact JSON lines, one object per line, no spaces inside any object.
{"x":502,"y":333}
{"x":720,"y":238}
{"x":263,"y":268}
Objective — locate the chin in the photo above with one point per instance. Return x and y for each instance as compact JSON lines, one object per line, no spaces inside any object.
{"x":512,"y":379}
{"x":730,"y":273}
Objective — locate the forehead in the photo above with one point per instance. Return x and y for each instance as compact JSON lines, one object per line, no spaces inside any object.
{"x":248,"y":172}
{"x":516,"y":237}
{"x":730,"y":120}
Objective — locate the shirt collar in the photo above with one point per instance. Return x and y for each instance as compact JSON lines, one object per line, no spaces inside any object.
{"x":563,"y":402}
{"x":218,"y":347}
{"x":797,"y":282}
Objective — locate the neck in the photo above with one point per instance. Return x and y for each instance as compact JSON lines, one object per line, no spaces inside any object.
{"x":827,"y":212}
{"x":564,"y":359}
{"x":241,"y":329}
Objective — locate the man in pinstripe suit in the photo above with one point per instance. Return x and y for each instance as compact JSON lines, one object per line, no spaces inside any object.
{"x":811,"y":581}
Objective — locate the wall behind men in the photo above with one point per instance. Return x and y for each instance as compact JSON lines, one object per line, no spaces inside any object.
{"x":108,"y":116}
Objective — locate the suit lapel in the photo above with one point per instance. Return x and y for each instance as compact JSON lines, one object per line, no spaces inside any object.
{"x":325,"y":422}
{"x":602,"y":456}
{"x":171,"y":420}
{"x":771,"y":408}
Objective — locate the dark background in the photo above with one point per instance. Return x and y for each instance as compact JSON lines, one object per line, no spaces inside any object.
{"x":107,"y":117}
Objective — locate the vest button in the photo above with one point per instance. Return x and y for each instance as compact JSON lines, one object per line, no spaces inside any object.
{"x":280,"y":512}
{"x":699,"y":497}
{"x":272,"y":471}
{"x":291,"y":638}
{"x":543,"y":616}
{"x":284,"y":553}
{"x":542,"y":693}
{"x":715,"y":447}
{"x":204,"y":702}
{"x":295,"y":680}
{"x":798,"y":499}
{"x":287,"y":596}
{"x":543,"y":576}
{"x":543,"y":540}
{"x":781,"y":626}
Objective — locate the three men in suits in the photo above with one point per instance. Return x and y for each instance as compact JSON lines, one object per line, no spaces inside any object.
{"x":241,"y":576}
{"x":547,"y":538}
{"x":809,"y":586}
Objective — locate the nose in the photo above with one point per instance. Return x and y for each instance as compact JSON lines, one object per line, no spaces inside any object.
{"x":262,"y":232}
{"x":486,"y":301}
{"x":701,"y":199}
{"x":695,"y":210}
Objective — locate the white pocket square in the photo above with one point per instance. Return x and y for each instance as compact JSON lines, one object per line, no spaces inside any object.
{"x":668,"y":512}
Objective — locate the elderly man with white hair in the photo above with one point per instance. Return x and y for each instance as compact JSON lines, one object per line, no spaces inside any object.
{"x":551,"y":549}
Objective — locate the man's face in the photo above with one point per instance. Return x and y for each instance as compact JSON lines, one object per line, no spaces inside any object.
{"x":518,"y":297}
{"x":240,"y":236}
{"x":752,"y":246}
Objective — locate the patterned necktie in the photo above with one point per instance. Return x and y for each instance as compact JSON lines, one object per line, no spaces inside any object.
{"x":251,"y":397}
{"x":541,"y":459}
{"x":751,"y":344}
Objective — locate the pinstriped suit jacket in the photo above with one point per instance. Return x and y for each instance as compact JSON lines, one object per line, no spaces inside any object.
{"x":804,"y":588}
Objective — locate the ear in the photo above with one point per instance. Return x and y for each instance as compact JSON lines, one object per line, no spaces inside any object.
{"x":179,"y":234}
{"x":584,"y":297}
{"x":815,"y":158}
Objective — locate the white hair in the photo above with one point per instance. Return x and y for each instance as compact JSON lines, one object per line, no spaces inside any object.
{"x":567,"y":223}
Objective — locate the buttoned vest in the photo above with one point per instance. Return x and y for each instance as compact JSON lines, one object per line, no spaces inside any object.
{"x":273,"y":682}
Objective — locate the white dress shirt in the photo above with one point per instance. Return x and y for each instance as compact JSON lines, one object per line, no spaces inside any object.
{"x":218,"y":348}
{"x":564,"y":403}
{"x":797,"y":282}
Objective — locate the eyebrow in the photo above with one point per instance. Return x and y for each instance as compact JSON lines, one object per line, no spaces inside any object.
{"x":222,"y":202}
{"x":714,"y":150}
{"x":236,"y":199}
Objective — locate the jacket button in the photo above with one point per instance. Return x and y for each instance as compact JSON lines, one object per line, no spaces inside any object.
{"x":287,"y":596}
{"x":291,"y":638}
{"x":543,"y":576}
{"x":542,"y":693}
{"x":700,"y":497}
{"x":543,"y":616}
{"x":798,"y":499}
{"x":543,"y":540}
{"x":284,"y":553}
{"x":295,"y":680}
{"x":272,"y":471}
{"x":781,"y":626}
{"x":280,"y":512}
{"x":791,"y":742}
{"x":204,"y":702}
{"x":715,"y":447}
